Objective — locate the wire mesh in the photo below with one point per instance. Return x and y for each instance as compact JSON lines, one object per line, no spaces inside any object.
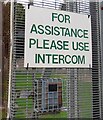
{"x":96,"y":56}
{"x":73,"y":96}
{"x":101,"y":14}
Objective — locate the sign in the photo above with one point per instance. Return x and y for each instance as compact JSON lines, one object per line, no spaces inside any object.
{"x":55,"y":38}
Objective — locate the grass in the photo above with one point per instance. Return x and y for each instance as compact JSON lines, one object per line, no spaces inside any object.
{"x":59,"y":76}
{"x":85,"y":97}
{"x":55,"y":115}
{"x":22,"y":104}
{"x":23,"y":101}
{"x":23,"y":82}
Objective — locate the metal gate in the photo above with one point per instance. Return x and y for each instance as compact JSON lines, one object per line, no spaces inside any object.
{"x":30,"y":85}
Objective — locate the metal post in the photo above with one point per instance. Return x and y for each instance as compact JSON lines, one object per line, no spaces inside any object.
{"x":101,"y":67}
{"x":96,"y":58}
{"x":10,"y":62}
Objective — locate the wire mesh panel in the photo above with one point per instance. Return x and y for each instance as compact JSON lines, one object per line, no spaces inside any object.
{"x":96,"y":56}
{"x":81,"y":79}
{"x":47,"y":92}
{"x":101,"y":14}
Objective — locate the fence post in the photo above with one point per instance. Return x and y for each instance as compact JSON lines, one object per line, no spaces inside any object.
{"x":10,"y":62}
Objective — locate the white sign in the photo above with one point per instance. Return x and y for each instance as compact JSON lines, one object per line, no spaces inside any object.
{"x":55,"y":38}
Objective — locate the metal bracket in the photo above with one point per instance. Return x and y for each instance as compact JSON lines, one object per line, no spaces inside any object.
{"x":27,"y":66}
{"x":88,"y":16}
{"x":31,"y":3}
{"x":89,"y":65}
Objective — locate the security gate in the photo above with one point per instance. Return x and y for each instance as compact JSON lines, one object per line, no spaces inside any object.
{"x":28,"y":84}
